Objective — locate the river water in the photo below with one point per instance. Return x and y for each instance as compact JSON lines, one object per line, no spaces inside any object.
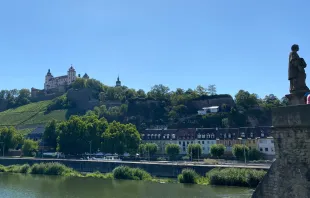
{"x":37,"y":186}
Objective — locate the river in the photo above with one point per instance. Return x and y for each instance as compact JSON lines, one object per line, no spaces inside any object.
{"x":37,"y":186}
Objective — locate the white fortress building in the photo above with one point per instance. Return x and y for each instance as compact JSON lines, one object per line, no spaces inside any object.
{"x":52,"y":82}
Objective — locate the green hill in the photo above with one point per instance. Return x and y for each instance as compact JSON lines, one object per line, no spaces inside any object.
{"x":30,"y":114}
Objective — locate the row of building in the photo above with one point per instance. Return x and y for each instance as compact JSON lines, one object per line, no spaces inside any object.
{"x":253,"y":137}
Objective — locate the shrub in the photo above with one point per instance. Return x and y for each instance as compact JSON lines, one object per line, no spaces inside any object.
{"x":52,"y":169}
{"x":235,"y":177}
{"x":97,"y":174}
{"x":24,"y":168}
{"x":2,"y":169}
{"x":188,"y":176}
{"x":125,"y":172}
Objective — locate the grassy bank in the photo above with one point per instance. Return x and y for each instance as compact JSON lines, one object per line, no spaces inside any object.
{"x":121,"y":172}
{"x":235,"y":177}
{"x":227,"y":176}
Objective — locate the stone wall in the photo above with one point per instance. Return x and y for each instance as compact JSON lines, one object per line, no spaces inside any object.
{"x":83,"y":99}
{"x":289,"y":175}
{"x":218,"y":100}
{"x":155,"y":169}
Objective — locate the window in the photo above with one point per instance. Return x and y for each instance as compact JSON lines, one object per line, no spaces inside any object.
{"x":242,"y":134}
{"x":207,"y":142}
{"x":261,"y":149}
{"x":203,"y":142}
{"x":272,"y":141}
{"x":187,"y":142}
{"x":272,"y":149}
{"x":173,"y":136}
{"x":180,"y":142}
{"x":199,"y":135}
{"x":212,"y":135}
{"x":203,"y":136}
{"x":229,"y":135}
{"x":183,"y":143}
{"x":208,"y":135}
{"x":224,"y":135}
{"x":262,"y":134}
{"x":184,"y":149}
{"x":198,"y":142}
{"x":251,"y":134}
{"x":266,"y":149}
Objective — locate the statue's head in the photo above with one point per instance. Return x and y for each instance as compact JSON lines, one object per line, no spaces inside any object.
{"x":295,"y":48}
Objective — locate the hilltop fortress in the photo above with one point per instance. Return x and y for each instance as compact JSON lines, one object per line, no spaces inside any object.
{"x":55,"y":86}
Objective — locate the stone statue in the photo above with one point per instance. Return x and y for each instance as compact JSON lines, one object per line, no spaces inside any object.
{"x":296,"y":71}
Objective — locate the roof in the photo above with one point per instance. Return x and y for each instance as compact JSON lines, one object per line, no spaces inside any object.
{"x":213,"y":107}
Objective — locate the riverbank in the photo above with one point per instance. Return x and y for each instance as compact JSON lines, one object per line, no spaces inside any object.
{"x":157,"y":169}
{"x":230,"y":176}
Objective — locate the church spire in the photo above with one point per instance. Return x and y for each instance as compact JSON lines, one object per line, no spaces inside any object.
{"x":118,"y":82}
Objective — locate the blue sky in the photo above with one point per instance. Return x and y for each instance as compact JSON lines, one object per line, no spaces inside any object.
{"x":233,"y":44}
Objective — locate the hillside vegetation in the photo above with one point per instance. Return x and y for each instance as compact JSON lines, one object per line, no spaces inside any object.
{"x":160,"y":106}
{"x":33,"y":113}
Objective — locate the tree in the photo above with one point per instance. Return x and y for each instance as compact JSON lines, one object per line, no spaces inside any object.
{"x":30,"y":147}
{"x":84,"y":131}
{"x":141,"y":93}
{"x":148,"y":149}
{"x":217,"y":150}
{"x":9,"y":137}
{"x":238,"y":151}
{"x":194,"y":150}
{"x":201,"y":91}
{"x":284,"y":101}
{"x":211,"y":90}
{"x":120,"y":138}
{"x":73,"y":133}
{"x":254,"y":154}
{"x":51,"y":133}
{"x":172,"y":150}
{"x":245,"y":99}
{"x":23,"y":98}
{"x":159,"y":92}
{"x":271,"y":101}
{"x":79,"y":83}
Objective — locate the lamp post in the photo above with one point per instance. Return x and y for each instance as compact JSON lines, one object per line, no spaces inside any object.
{"x":2,"y":148}
{"x":90,"y":147}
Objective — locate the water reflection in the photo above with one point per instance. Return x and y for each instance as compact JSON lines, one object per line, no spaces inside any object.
{"x":37,"y":186}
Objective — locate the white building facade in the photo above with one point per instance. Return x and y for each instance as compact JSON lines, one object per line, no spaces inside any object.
{"x":52,"y":82}
{"x":205,"y":110}
{"x":266,"y":146}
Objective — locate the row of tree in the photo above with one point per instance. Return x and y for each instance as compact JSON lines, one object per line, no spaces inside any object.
{"x":15,"y":98}
{"x":194,"y":151}
{"x":11,"y":139}
{"x":92,"y":134}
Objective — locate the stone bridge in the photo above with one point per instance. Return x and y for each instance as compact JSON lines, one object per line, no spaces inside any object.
{"x":289,"y":175}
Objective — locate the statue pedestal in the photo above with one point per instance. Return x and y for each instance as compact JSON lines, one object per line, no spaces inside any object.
{"x":297,"y":97}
